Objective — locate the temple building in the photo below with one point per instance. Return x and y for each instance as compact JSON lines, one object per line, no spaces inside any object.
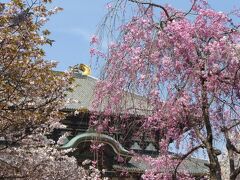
{"x":114,"y":151}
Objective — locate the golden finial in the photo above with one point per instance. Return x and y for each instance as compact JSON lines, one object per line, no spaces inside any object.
{"x":86,"y":70}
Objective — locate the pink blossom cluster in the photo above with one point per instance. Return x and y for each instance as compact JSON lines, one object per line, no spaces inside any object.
{"x":184,"y":68}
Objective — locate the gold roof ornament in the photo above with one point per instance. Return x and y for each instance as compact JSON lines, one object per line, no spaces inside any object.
{"x":86,"y":70}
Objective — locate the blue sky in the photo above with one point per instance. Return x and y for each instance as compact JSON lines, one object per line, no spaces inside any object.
{"x":72,"y":28}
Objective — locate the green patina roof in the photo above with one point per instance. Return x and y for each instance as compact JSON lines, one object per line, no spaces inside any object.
{"x":193,"y":166}
{"x":101,"y":138}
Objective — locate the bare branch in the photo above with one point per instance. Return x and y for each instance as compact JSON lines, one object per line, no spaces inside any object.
{"x":154,"y":5}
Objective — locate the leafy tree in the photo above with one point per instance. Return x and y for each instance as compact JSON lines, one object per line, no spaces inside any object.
{"x":31,"y":94}
{"x":30,"y":91}
{"x":187,"y":66}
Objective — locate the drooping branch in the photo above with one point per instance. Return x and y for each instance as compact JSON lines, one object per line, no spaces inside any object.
{"x":184,"y":157}
{"x":154,"y":5}
{"x":189,"y":11}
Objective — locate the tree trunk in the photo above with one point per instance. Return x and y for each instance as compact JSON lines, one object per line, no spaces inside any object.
{"x":215,"y":168}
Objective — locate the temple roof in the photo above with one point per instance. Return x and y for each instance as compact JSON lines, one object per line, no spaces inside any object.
{"x":100,"y":138}
{"x":191,"y":165}
{"x":83,"y":94}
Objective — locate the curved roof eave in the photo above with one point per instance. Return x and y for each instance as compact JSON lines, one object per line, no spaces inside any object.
{"x":102,"y":138}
